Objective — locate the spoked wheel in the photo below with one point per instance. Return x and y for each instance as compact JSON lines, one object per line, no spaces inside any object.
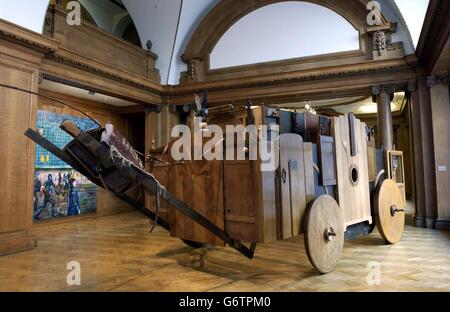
{"x":195,"y":245}
{"x":324,"y":233}
{"x":389,"y":211}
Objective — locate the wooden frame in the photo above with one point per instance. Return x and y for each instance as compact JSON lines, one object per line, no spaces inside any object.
{"x":327,"y":162}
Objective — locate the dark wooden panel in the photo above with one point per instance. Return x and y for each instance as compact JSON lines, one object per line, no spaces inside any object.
{"x":241,"y":201}
{"x":202,"y":189}
{"x":285,"y":121}
{"x":353,"y":138}
{"x":327,"y":161}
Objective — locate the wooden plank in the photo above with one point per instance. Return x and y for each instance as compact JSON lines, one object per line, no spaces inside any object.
{"x":352,"y":172}
{"x":353,"y":134}
{"x":293,"y":192}
{"x":366,"y":208}
{"x":326,"y":161}
{"x":268,"y":206}
{"x":341,"y":164}
{"x":309,"y":172}
{"x":201,"y":189}
{"x":241,"y":200}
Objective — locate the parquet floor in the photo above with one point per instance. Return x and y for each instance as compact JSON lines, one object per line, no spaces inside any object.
{"x":118,"y":254}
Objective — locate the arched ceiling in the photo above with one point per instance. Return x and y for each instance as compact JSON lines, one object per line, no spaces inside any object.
{"x":170,"y":23}
{"x":281,"y":31}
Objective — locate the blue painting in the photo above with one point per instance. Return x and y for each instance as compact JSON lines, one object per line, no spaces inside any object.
{"x":59,"y":190}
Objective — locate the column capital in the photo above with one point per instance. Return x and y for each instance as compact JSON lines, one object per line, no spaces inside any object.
{"x":376,"y":90}
{"x":438,"y":80}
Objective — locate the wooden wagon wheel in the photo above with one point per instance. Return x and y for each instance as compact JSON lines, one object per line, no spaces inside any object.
{"x":389,"y":209}
{"x":324,"y":233}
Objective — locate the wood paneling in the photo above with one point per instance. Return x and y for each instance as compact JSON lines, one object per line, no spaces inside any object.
{"x":440,"y":106}
{"x":104,"y":47}
{"x":241,"y":200}
{"x":309,"y":172}
{"x":268,"y":204}
{"x":202,"y":189}
{"x":17,"y":111}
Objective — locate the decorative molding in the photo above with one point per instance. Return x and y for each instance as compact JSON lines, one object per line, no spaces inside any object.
{"x":101,"y":72}
{"x":25,"y":42}
{"x":379,"y":42}
{"x":345,"y":71}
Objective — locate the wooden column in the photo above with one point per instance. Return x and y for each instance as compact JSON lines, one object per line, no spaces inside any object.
{"x":423,"y":147}
{"x":416,"y":139}
{"x":169,"y":118}
{"x":21,"y":52}
{"x":385,"y":129}
{"x":440,"y":112}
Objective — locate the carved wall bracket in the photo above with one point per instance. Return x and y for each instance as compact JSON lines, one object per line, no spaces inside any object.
{"x":382,"y":38}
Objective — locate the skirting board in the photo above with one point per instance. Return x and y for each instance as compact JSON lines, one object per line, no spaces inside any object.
{"x":16,"y":243}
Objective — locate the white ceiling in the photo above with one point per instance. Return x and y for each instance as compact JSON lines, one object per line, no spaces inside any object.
{"x":413,"y":12}
{"x":277,"y":32}
{"x":356,"y":105}
{"x":170,"y":23}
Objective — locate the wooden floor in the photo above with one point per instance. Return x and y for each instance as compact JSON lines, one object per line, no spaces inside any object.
{"x":118,"y":254}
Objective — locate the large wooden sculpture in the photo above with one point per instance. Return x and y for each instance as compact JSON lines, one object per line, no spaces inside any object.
{"x":225,"y":202}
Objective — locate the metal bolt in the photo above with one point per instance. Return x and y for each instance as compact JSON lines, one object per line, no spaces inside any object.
{"x":394,"y":210}
{"x":330,"y":235}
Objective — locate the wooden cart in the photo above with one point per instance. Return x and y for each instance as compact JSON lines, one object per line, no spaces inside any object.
{"x":232,"y":202}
